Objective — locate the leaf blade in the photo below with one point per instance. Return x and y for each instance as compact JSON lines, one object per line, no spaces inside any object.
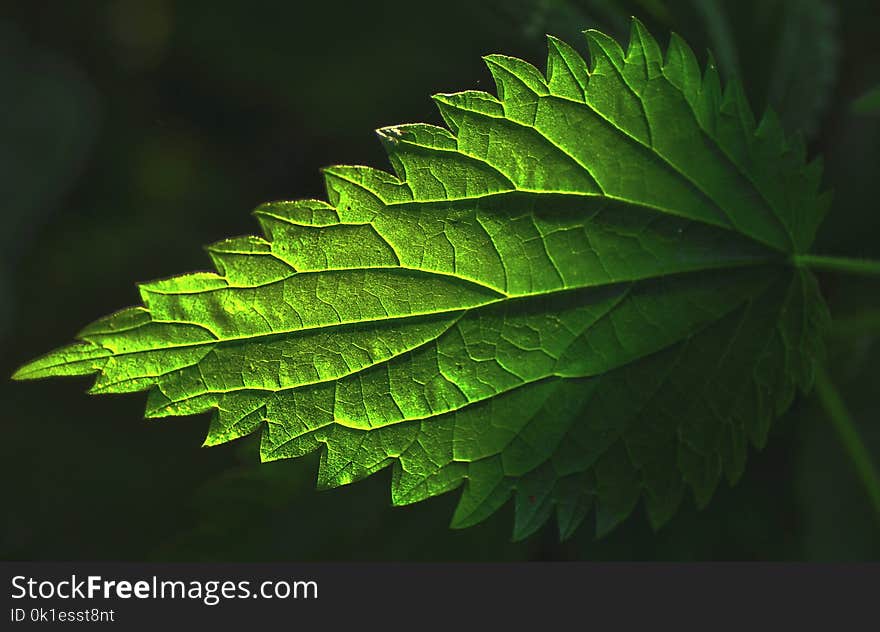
{"x":580,"y":295}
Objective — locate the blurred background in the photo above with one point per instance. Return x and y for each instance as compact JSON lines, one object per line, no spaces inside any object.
{"x":134,"y":131}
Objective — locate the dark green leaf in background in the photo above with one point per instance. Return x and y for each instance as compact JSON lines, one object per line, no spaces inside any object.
{"x":868,"y":103}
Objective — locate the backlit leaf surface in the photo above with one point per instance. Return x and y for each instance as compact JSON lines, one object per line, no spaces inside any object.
{"x":579,"y":294}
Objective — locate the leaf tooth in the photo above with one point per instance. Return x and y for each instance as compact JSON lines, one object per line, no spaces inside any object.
{"x":644,"y":50}
{"x":702,"y":472}
{"x":567,"y":72}
{"x":519,"y":85}
{"x":736,"y":103}
{"x":574,"y":496}
{"x":711,"y":97}
{"x":141,"y":367}
{"x":770,"y":129}
{"x":452,"y":105}
{"x":603,"y":49}
{"x":130,"y":385}
{"x":409,"y":166}
{"x":682,"y":69}
{"x":485,"y":491}
{"x":76,"y":359}
{"x":519,"y":155}
{"x":360,"y":193}
{"x":417,"y":475}
{"x":339,"y":465}
{"x":236,"y":415}
{"x":419,"y":133}
{"x":160,"y":405}
{"x":244,"y":245}
{"x":315,"y":213}
{"x":436,"y":168}
{"x":353,"y":454}
{"x":247,"y":261}
{"x":120,"y":321}
{"x":618,"y":488}
{"x":273,"y":448}
{"x":606,"y":519}
{"x":181,"y":284}
{"x":533,"y":502}
{"x":661,"y":508}
{"x":513,"y":67}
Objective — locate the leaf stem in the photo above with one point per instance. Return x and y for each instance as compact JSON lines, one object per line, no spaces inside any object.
{"x":839,"y":264}
{"x":849,"y":436}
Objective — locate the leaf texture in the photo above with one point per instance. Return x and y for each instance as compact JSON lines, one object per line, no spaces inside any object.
{"x":579,"y":295}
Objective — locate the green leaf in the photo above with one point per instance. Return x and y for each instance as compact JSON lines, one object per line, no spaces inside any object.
{"x":580,"y":294}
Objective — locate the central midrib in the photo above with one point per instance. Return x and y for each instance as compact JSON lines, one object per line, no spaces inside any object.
{"x":728,"y":265}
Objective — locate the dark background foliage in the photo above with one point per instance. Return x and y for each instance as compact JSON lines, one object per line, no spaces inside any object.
{"x":133,"y":131}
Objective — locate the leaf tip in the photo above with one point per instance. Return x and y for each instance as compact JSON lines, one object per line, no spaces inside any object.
{"x":636,"y":25}
{"x":22,"y":373}
{"x":554,"y":41}
{"x":82,"y":358}
{"x":212,"y":441}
